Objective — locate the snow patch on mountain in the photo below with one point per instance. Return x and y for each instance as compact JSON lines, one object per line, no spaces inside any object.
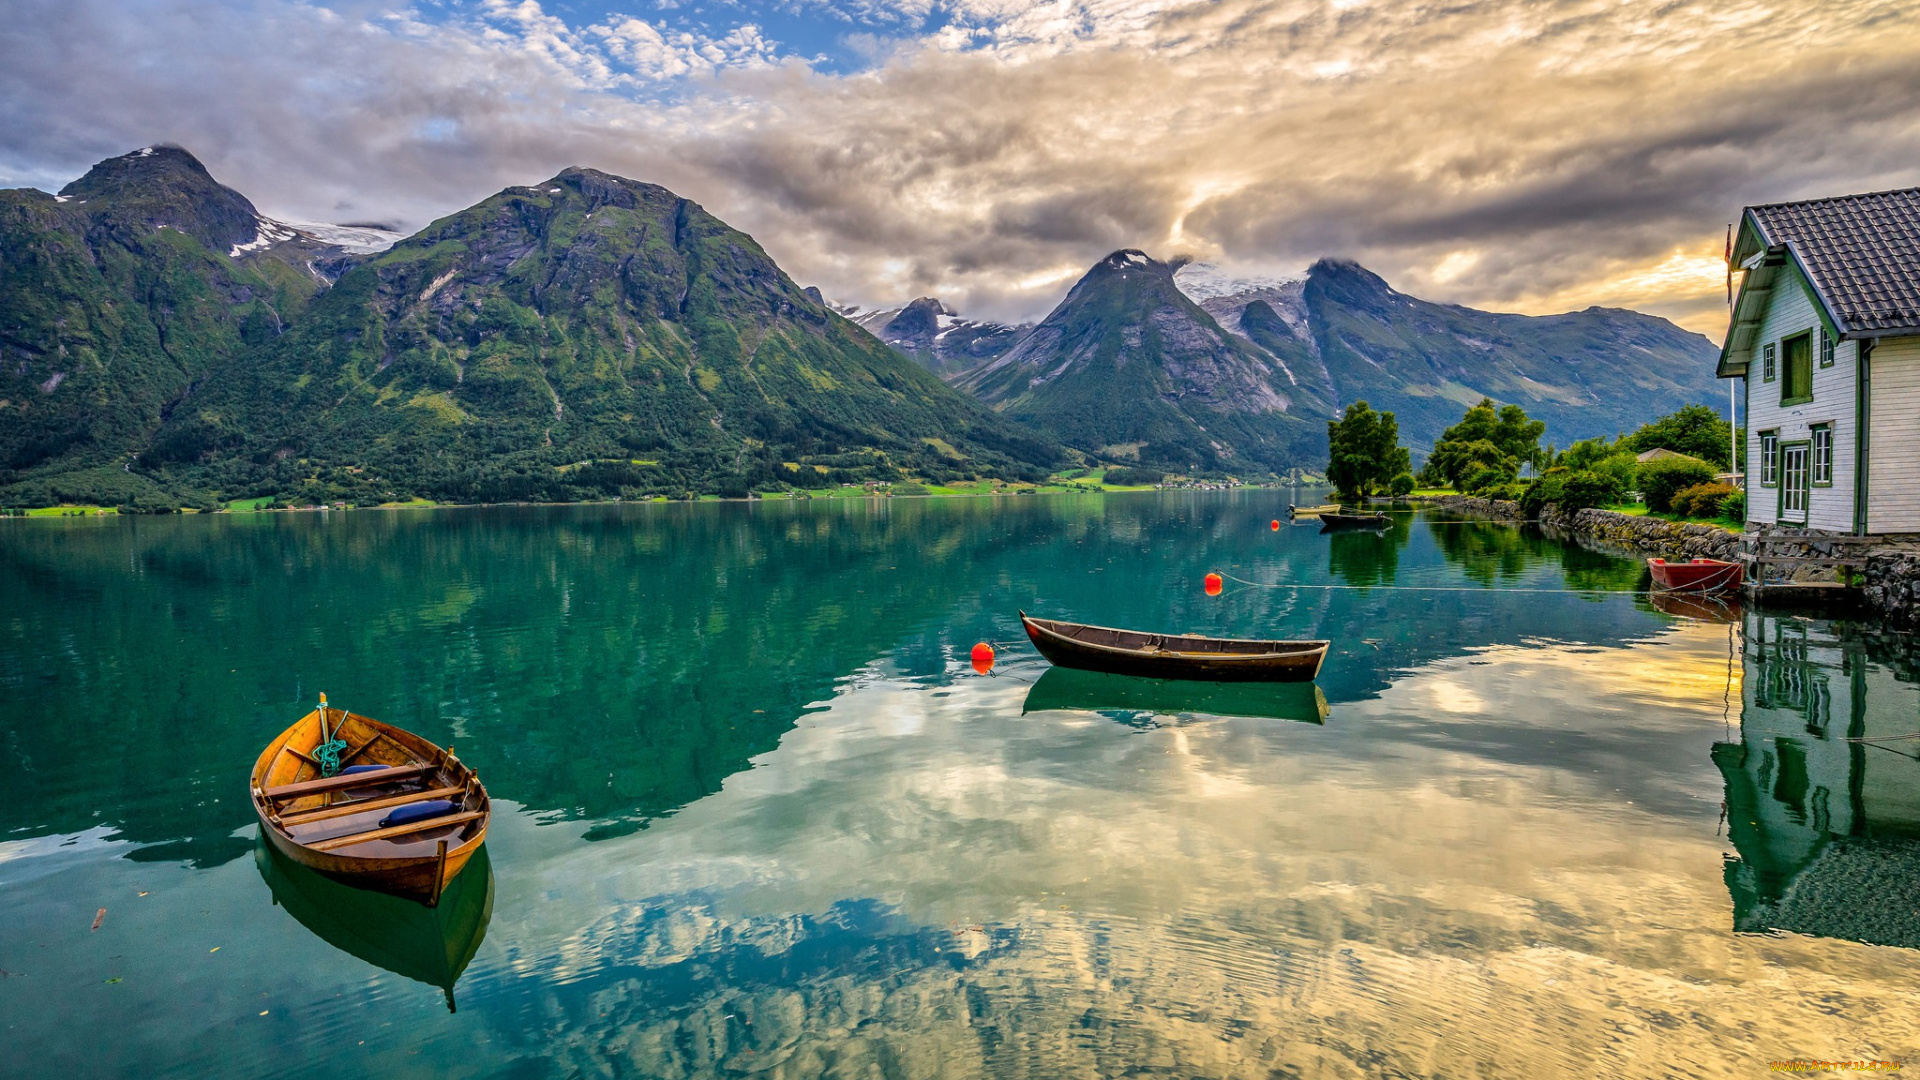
{"x":1204,"y":281}
{"x":358,"y":239}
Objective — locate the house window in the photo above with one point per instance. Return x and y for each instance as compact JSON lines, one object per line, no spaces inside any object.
{"x":1769,"y":458}
{"x":1827,"y":348}
{"x":1796,"y":369}
{"x":1823,"y":455}
{"x":1766,"y":362}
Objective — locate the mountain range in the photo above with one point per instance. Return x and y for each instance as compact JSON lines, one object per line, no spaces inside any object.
{"x":592,"y":336}
{"x":1181,"y":365}
{"x":588,"y":336}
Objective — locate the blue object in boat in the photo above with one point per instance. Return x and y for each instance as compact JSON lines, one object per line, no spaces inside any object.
{"x":356,"y":770}
{"x":419,"y":811}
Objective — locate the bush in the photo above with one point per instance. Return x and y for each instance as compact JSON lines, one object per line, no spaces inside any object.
{"x":1401,"y":485}
{"x":1570,"y":490}
{"x":1482,"y":478}
{"x":1701,"y":500}
{"x":1125,"y":477}
{"x":1734,"y":506}
{"x":1661,"y":480}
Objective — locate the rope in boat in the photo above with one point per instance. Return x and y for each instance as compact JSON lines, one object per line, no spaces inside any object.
{"x":327,"y":754}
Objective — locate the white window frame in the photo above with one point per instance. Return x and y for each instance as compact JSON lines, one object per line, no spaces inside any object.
{"x":1796,"y":474}
{"x":1822,"y":436}
{"x":1769,"y":458}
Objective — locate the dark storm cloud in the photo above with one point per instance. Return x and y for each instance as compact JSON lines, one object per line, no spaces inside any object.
{"x":1500,"y":153}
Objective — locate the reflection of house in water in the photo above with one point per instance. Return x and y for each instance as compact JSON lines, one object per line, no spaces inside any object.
{"x":1827,"y":829}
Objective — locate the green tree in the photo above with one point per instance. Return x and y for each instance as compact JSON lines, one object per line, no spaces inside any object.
{"x":1459,"y":452}
{"x":1694,"y":430}
{"x":1364,"y":451}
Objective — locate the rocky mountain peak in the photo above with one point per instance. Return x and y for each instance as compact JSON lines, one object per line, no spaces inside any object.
{"x":159,"y":186}
{"x":1352,"y":283}
{"x":1132,"y":259}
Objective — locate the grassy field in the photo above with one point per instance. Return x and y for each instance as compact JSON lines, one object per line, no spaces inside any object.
{"x":70,"y":511}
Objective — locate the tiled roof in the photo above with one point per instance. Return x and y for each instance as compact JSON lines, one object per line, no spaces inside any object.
{"x":1862,"y":251}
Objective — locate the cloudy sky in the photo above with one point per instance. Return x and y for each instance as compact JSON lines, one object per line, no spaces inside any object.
{"x":1524,"y":155}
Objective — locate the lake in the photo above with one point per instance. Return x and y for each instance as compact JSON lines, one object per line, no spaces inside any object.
{"x":755,"y":815}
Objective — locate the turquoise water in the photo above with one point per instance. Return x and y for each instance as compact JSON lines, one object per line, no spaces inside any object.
{"x":756,"y":815}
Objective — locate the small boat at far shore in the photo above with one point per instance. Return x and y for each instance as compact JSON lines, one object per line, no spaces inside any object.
{"x":1173,"y":656}
{"x":1336,"y":522}
{"x":1697,"y":576}
{"x":1313,"y":511}
{"x":369,"y":804}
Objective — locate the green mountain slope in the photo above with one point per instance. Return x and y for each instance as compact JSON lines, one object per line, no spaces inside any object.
{"x":116,"y":297}
{"x":1128,"y":367}
{"x":586,"y":337}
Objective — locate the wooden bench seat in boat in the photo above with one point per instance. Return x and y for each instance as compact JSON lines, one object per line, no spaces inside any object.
{"x":307,"y":817}
{"x":346,"y":781}
{"x":397,"y":830}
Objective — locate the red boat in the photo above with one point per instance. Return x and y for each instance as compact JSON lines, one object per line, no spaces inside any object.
{"x":1698,"y":576}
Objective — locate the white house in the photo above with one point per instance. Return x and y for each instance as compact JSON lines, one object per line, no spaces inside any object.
{"x":1826,"y":333}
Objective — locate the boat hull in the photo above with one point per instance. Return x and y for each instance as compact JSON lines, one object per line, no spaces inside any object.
{"x":414,"y":867}
{"x":1313,"y":511}
{"x":1338,"y":522}
{"x":1697,"y":576}
{"x":1173,"y":656}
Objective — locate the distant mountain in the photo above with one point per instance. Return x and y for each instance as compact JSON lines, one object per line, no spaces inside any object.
{"x":936,"y":336}
{"x":589,"y":335}
{"x":1350,"y":336}
{"x":1129,"y":367}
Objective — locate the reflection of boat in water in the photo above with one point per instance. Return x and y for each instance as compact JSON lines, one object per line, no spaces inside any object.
{"x":1723,"y":608}
{"x":429,"y":945}
{"x":1822,"y":790}
{"x":391,"y":811}
{"x":1092,"y":691}
{"x":1173,"y":656}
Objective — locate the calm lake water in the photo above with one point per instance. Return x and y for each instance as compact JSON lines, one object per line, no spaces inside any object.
{"x":756,"y":816}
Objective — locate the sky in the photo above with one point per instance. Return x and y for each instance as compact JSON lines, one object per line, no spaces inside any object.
{"x":1516,"y":155}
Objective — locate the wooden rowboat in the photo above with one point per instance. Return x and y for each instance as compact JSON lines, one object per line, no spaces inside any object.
{"x":1173,"y":656}
{"x":403,"y":816}
{"x":1336,"y":522}
{"x":1698,"y":576}
{"x":1313,"y":511}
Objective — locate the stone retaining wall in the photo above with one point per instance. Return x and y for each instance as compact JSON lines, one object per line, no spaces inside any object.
{"x":1892,"y":588}
{"x":1649,"y":535}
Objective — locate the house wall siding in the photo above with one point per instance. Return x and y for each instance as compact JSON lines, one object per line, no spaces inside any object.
{"x":1893,"y":469}
{"x":1828,"y":508}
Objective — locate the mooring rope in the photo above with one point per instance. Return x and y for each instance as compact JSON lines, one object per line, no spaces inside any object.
{"x":1436,"y":588}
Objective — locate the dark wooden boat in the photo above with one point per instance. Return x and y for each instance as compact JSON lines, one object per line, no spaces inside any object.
{"x":1335,"y":522}
{"x":1173,"y":656}
{"x":359,"y":826}
{"x":430,"y":945}
{"x":1698,"y":576}
{"x":1093,"y":691}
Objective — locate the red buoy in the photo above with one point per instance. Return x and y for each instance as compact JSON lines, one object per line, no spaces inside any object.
{"x":1276,"y":525}
{"x":1214,"y":584}
{"x":983,"y":658}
